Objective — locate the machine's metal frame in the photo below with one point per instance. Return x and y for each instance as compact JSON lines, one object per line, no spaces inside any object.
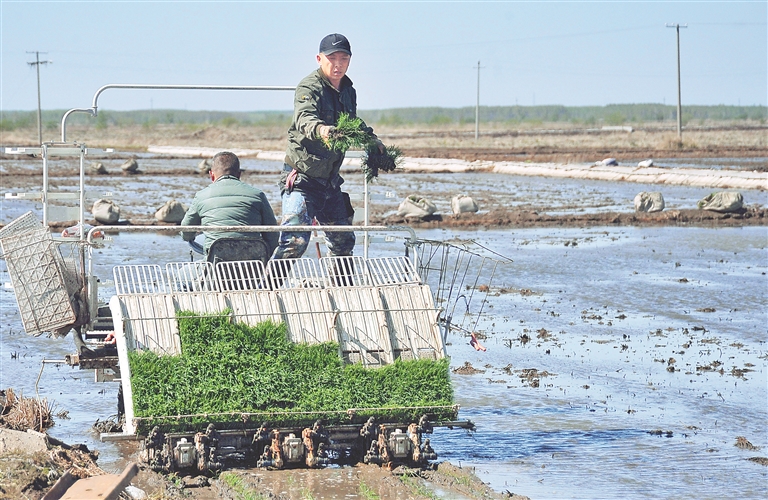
{"x":391,"y":294}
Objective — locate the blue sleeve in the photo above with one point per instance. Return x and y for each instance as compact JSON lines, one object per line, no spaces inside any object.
{"x":191,"y":218}
{"x":268,"y":219}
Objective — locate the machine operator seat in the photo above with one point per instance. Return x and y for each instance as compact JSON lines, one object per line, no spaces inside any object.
{"x":231,"y":249}
{"x":239,"y":249}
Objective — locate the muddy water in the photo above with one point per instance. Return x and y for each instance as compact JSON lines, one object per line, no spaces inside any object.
{"x":610,"y":315}
{"x":649,"y":343}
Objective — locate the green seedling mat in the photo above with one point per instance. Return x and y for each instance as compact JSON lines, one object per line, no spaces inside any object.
{"x":233,"y":374}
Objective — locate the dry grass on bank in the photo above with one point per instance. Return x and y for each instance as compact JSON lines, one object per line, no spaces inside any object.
{"x":20,"y":413}
{"x":494,"y":136}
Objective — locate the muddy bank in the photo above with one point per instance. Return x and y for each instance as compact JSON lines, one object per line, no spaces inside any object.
{"x":500,"y":218}
{"x":31,"y":474}
{"x":445,"y":480}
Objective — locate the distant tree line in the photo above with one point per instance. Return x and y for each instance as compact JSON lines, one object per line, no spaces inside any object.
{"x":51,"y":119}
{"x":612,"y":114}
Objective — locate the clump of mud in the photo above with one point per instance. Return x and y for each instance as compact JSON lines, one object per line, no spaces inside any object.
{"x":659,"y":432}
{"x":532,"y":376}
{"x":744,"y":444}
{"x":467,"y":369}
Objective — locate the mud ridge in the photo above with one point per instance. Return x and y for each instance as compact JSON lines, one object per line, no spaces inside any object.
{"x":525,"y":218}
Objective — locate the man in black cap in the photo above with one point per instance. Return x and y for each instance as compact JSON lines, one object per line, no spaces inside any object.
{"x":311,"y":184}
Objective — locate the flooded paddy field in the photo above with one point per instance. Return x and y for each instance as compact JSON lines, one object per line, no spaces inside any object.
{"x":161,"y":179}
{"x":621,"y":361}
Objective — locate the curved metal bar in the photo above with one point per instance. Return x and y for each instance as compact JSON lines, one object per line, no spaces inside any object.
{"x":183,"y":87}
{"x":90,"y":111}
{"x":93,"y":110}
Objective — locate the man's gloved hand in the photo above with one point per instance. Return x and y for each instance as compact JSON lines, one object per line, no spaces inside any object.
{"x":325,"y":131}
{"x":380,"y":145}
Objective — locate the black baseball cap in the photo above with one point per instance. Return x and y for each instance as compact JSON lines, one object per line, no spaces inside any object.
{"x":335,"y":43}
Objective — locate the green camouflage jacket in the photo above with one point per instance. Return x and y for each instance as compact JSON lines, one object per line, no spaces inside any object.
{"x":316,"y":103}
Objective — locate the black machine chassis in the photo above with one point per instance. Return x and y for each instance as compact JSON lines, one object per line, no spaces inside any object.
{"x":388,"y":444}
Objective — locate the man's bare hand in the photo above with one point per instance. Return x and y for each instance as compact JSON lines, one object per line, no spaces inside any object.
{"x":325,"y":131}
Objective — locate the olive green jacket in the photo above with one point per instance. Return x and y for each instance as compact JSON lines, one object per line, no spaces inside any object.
{"x":316,"y":103}
{"x":230,"y":202}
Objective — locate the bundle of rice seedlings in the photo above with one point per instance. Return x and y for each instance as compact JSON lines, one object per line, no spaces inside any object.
{"x":350,"y":134}
{"x":374,"y":160}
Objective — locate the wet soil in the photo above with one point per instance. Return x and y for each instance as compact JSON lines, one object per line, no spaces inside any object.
{"x":367,"y":481}
{"x":521,"y":218}
{"x":32,"y":475}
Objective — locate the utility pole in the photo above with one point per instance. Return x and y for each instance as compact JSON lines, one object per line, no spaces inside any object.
{"x":37,"y":64}
{"x":477,"y":106}
{"x":679,"y":103}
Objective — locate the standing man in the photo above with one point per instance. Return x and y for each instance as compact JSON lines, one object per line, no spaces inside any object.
{"x":229,"y":202}
{"x":311,"y":184}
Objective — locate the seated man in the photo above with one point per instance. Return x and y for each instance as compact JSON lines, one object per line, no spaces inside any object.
{"x":229,"y":202}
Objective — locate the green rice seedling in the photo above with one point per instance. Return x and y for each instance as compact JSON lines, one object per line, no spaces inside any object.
{"x":367,"y":492}
{"x":416,"y":486}
{"x":374,"y":160}
{"x":234,"y":374}
{"x":240,"y":487}
{"x":306,"y":494}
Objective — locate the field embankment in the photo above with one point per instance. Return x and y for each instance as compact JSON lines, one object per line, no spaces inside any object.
{"x":545,"y":142}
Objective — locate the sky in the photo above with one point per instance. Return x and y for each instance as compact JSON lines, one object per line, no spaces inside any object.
{"x":405,"y":54}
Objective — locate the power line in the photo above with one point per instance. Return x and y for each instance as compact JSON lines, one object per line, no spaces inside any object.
{"x":37,"y":64}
